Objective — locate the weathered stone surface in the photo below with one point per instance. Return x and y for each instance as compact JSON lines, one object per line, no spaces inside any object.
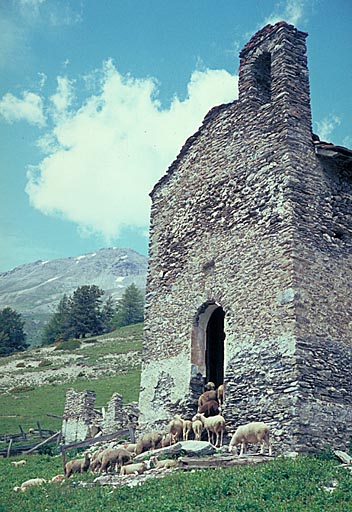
{"x":250,"y":220}
{"x":189,"y":448}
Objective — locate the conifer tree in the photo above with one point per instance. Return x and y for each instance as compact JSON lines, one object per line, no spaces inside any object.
{"x":130,"y":309}
{"x":12,"y":335}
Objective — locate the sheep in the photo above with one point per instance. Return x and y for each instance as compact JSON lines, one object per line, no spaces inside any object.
{"x":77,"y":465}
{"x":187,"y":427}
{"x":197,"y":427}
{"x":29,"y":483}
{"x":133,"y":469}
{"x":95,"y":463}
{"x":221,"y":394}
{"x":213,"y":425}
{"x":209,"y":385}
{"x":131,"y":447}
{"x":148,"y":442}
{"x":176,"y":428}
{"x":17,"y":463}
{"x":254,"y":432}
{"x":57,"y":479}
{"x":163,"y":464}
{"x":210,"y":408}
{"x":166,"y":440}
{"x":112,"y":456}
{"x":206,"y":397}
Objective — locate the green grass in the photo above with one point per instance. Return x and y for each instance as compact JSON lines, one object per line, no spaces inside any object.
{"x":277,"y":486}
{"x":28,"y":407}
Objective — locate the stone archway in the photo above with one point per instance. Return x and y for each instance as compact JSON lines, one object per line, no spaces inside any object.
{"x":208,"y":342}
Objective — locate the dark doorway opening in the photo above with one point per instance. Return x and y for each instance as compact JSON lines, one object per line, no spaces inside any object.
{"x":214,"y":352}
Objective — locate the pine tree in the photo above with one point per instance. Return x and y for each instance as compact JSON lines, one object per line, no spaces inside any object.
{"x":60,"y":325}
{"x":130,"y":309}
{"x":107,"y":313}
{"x":86,"y":317}
{"x":12,"y":335}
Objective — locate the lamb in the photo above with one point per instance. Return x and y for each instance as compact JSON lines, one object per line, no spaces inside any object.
{"x":148,"y":442}
{"x":163,"y":464}
{"x":187,"y":427}
{"x":197,"y":427}
{"x":210,"y":408}
{"x":133,"y":469}
{"x":77,"y":465}
{"x":221,"y":394}
{"x":213,"y":425}
{"x":176,"y":428}
{"x":57,"y":479}
{"x":206,"y":396}
{"x":112,"y":456}
{"x":17,"y":463}
{"x":29,"y":483}
{"x":254,"y":432}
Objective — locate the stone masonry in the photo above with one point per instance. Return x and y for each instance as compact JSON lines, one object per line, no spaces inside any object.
{"x":250,"y":264}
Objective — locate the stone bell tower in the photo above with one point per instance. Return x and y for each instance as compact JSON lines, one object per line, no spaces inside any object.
{"x":250,"y":267}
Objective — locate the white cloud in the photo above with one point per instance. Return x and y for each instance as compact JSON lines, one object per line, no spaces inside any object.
{"x":292,"y":11}
{"x":63,"y":97}
{"x":105,"y":156}
{"x":29,"y":108}
{"x":326,"y":126}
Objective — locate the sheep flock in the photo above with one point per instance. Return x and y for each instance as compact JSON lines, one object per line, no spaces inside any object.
{"x":208,"y":423}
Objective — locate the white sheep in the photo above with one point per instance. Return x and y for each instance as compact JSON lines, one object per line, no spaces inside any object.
{"x":133,"y":469}
{"x":176,"y":428}
{"x":221,"y":394}
{"x":29,"y":483}
{"x":197,"y":427}
{"x":254,"y":432}
{"x":17,"y":463}
{"x":214,"y":425}
{"x":163,"y":464}
{"x":57,"y":479}
{"x":187,"y":427}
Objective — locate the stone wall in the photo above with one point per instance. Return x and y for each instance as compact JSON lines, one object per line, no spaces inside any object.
{"x":82,"y":421}
{"x":241,"y":222}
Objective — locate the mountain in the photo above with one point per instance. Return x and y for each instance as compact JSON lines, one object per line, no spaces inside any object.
{"x":35,"y":289}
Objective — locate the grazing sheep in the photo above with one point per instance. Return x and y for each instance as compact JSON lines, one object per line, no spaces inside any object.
{"x":254,"y":432}
{"x":77,"y":465}
{"x":112,"y":456}
{"x":30,"y":483}
{"x":210,"y":408}
{"x":131,"y":447}
{"x":166,"y":440}
{"x":221,"y":394}
{"x":187,"y":428}
{"x":163,"y":464}
{"x":133,"y":469}
{"x":176,"y":428}
{"x":206,"y":397}
{"x":197,"y":427}
{"x":214,"y":425}
{"x":57,"y":479}
{"x":18,"y":463}
{"x":95,"y":463}
{"x":209,"y":385}
{"x":148,"y":442}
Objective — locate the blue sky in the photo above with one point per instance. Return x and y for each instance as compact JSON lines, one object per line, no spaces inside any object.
{"x":98,"y":96}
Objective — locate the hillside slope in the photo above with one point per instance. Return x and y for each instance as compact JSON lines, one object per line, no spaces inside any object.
{"x":35,"y":289}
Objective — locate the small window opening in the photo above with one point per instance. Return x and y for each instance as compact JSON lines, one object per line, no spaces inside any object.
{"x":262,"y":77}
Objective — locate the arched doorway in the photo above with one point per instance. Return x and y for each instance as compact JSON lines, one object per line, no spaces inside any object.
{"x":214,"y":351}
{"x":208,"y":342}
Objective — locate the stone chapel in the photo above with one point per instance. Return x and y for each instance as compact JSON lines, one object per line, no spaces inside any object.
{"x":250,"y":264}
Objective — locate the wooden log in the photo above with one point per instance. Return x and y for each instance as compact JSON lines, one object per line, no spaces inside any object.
{"x":40,"y":430}
{"x":9,"y":448}
{"x":42,"y":443}
{"x":24,"y":437}
{"x":94,"y":440}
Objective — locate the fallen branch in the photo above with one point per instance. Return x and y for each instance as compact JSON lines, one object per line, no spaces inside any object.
{"x":42,"y":443}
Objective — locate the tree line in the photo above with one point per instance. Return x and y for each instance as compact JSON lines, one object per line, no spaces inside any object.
{"x":78,"y":315}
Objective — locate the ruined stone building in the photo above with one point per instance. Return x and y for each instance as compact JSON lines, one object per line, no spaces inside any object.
{"x":250,"y":269}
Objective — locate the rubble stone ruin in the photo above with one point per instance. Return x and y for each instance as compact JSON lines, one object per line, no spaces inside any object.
{"x":250,"y":269}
